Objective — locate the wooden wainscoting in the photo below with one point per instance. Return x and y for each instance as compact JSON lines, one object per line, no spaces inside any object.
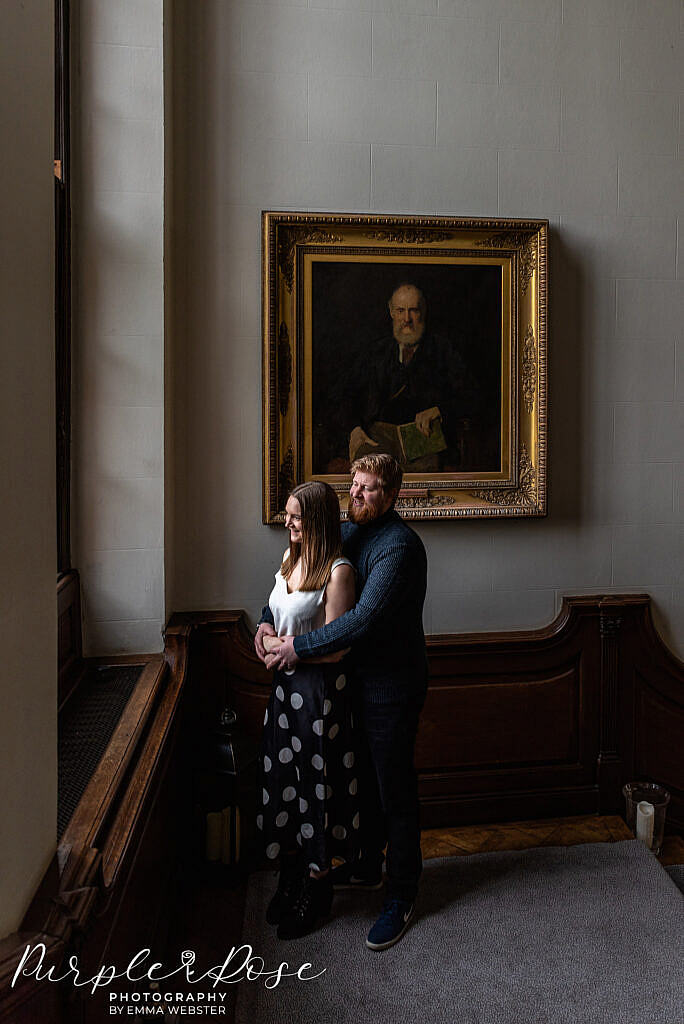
{"x":545,"y":723}
{"x":533,"y":724}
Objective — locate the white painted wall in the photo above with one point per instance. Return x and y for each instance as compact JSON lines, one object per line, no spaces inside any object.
{"x":568,"y":110}
{"x":28,"y":612}
{"x":118,"y":345}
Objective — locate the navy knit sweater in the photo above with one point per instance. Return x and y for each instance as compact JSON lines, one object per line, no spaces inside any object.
{"x":385,"y":627}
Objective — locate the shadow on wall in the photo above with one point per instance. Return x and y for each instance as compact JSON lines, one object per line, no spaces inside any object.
{"x":204,"y":298}
{"x":573,"y":427}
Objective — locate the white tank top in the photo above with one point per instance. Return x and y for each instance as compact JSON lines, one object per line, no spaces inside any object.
{"x":301,"y":610}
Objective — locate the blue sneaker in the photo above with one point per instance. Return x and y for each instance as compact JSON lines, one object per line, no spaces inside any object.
{"x":394,"y":919}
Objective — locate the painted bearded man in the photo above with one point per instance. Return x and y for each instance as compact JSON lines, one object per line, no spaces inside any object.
{"x":416,"y":393}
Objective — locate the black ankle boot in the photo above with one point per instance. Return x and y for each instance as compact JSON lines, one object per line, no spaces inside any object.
{"x":289,"y":883}
{"x":312,"y":904}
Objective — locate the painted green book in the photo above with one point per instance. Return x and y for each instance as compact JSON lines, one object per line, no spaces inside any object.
{"x":415,"y":444}
{"x":404,"y":441}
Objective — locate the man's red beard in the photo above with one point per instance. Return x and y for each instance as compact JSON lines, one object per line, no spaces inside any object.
{"x":362,"y":514}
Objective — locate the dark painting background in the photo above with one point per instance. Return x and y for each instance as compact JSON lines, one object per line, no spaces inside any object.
{"x":350,"y":319}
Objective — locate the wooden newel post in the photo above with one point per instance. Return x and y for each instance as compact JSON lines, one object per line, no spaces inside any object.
{"x":609,"y":765}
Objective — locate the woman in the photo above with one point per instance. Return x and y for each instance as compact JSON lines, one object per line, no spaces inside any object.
{"x":310,"y":809}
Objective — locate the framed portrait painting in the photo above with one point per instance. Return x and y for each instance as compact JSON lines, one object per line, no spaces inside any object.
{"x":424,"y":337}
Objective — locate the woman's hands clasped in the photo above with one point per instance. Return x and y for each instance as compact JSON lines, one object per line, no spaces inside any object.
{"x":278,"y":651}
{"x":264,"y":630}
{"x":274,"y":651}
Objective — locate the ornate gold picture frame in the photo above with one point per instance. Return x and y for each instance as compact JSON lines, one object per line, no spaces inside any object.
{"x":421,"y":336}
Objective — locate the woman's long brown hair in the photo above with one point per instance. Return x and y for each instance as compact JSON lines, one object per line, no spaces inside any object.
{"x":321,"y":540}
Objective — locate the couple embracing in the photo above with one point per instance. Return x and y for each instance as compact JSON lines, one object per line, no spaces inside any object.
{"x":343,"y":632}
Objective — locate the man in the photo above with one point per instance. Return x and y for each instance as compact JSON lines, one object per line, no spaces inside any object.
{"x":385,"y":633}
{"x":414,"y":378}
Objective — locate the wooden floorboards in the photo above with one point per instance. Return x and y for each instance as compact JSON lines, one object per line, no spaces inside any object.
{"x":524,"y":835}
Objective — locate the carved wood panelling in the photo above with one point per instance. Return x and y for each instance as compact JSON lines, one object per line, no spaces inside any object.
{"x":519,"y":725}
{"x":479,"y":715}
{"x":658,"y":738}
{"x":534,"y":724}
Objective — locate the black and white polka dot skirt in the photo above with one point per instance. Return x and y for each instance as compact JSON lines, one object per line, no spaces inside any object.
{"x":309,"y":798}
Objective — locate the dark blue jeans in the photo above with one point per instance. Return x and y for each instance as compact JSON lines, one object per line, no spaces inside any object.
{"x":388,"y":788}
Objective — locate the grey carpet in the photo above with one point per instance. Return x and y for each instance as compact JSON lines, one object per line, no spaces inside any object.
{"x":676,"y":873}
{"x":561,"y":935}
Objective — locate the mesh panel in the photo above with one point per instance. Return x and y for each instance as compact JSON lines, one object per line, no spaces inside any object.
{"x":85,"y":728}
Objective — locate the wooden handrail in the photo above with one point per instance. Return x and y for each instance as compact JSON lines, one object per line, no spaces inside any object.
{"x":100,"y":839}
